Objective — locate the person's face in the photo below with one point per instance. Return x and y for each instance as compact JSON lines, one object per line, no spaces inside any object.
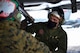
{"x":55,"y":19}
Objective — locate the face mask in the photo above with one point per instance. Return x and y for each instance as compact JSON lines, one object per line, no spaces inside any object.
{"x":51,"y":24}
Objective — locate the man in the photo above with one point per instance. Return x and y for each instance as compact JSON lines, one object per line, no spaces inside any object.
{"x":51,"y":32}
{"x":12,"y":38}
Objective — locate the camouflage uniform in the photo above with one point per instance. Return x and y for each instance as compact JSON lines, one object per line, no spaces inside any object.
{"x":53,"y":38}
{"x":14,"y":40}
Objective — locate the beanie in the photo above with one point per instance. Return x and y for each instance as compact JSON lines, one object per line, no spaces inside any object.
{"x":58,"y":12}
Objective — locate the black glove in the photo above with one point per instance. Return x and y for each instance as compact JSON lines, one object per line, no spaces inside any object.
{"x":24,"y":24}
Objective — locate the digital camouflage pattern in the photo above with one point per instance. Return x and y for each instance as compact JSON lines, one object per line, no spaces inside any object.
{"x":14,"y":40}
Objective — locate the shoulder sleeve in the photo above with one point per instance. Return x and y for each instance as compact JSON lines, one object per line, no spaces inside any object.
{"x":62,"y":46}
{"x":33,"y":28}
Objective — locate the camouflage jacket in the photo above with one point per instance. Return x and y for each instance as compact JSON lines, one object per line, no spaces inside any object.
{"x":14,"y":40}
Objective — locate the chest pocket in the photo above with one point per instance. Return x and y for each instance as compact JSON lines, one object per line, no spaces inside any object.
{"x":53,"y":39}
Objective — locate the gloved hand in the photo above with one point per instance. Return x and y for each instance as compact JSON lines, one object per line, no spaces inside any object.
{"x":24,"y":24}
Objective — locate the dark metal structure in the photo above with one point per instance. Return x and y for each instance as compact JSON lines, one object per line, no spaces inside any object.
{"x":31,"y":1}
